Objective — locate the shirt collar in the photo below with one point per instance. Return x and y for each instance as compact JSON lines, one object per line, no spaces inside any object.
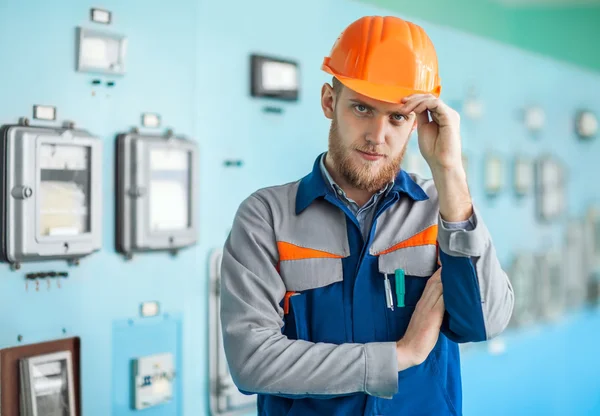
{"x":319,"y":183}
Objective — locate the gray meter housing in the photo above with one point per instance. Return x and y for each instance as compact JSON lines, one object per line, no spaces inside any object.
{"x":51,"y":193}
{"x":225,"y":397}
{"x":156,"y":193}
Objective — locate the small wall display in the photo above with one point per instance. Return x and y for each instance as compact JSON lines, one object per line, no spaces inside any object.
{"x":586,"y":124}
{"x":274,"y":78}
{"x":534,"y":118}
{"x":101,"y":51}
{"x":523,"y":175}
{"x":494,"y":174}
{"x":550,"y":188}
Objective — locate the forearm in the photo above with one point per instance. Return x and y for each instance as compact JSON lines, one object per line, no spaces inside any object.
{"x":453,"y":193}
{"x":263,"y":360}
{"x":477,"y":292}
{"x":266,"y":362}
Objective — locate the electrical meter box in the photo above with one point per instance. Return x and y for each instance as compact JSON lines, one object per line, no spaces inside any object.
{"x":575,"y":268}
{"x":156,"y":192}
{"x":51,"y":193}
{"x":47,"y":386}
{"x":523,"y":278}
{"x":153,"y":378}
{"x":550,"y":286}
{"x":225,"y":397}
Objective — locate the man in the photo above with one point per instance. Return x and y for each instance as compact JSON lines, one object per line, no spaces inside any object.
{"x":331,"y":287}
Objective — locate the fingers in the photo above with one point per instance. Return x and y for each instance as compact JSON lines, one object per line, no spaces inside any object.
{"x":422,"y":118}
{"x":424,"y":104}
{"x":419,"y":103}
{"x":410,"y":105}
{"x":439,"y":305}
{"x":433,"y":291}
{"x":437,"y":274}
{"x":435,"y":277}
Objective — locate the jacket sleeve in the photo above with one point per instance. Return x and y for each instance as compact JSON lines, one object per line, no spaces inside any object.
{"x":478,"y":295}
{"x":261,"y":359}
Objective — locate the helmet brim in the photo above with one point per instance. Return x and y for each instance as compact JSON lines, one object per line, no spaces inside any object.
{"x":387,"y":93}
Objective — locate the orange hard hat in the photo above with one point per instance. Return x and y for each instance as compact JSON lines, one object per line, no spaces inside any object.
{"x":385,"y":58}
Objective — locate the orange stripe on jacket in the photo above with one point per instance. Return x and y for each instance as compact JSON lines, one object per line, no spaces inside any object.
{"x":286,"y":301}
{"x":426,"y":237}
{"x":288,"y":251}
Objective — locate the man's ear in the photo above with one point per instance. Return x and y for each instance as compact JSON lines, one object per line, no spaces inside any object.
{"x":328,"y":98}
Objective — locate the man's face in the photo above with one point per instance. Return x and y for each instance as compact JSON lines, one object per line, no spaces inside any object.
{"x":367,"y":138}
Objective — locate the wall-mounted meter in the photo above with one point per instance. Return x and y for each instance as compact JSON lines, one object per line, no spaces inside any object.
{"x":101,"y":52}
{"x":575,"y":266}
{"x":550,"y":188}
{"x":156,"y":192}
{"x":592,"y":252}
{"x":153,"y":378}
{"x":47,"y":386}
{"x":274,"y":78}
{"x":523,"y":278}
{"x":225,"y":398}
{"x":593,"y":238}
{"x":523,"y":175}
{"x":51,"y":193}
{"x":494,"y":174}
{"x":550,"y":285}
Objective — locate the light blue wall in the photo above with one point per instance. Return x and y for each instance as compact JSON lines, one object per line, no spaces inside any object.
{"x":188,"y":61}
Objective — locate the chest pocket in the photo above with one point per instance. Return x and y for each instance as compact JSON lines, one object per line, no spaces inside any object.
{"x":313,"y":305}
{"x":414,"y":265}
{"x":408,"y":265}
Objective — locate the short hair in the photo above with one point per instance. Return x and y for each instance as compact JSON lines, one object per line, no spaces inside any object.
{"x":337,"y":86}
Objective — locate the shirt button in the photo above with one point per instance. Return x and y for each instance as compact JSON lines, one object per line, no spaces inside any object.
{"x":340,"y":192}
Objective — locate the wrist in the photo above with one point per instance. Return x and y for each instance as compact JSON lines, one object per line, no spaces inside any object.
{"x":450,"y":174}
{"x":453,"y":192}
{"x":406,"y":356}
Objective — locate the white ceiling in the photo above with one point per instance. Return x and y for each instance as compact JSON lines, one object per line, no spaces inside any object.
{"x":546,"y":3}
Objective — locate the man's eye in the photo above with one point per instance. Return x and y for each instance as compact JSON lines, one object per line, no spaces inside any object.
{"x":398,"y":117}
{"x":361,"y":108}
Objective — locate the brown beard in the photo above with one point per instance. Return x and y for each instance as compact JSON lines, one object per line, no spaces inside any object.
{"x":360,"y":177}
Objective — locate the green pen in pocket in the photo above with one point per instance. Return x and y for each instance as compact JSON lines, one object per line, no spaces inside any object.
{"x":400,"y":287}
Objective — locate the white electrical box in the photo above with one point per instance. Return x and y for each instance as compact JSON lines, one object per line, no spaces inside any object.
{"x":523,"y":278}
{"x":494,"y":174}
{"x":593,"y":238}
{"x":225,"y":398}
{"x":523,"y":176}
{"x":576,"y":270}
{"x":51,"y":193}
{"x":550,"y":189}
{"x":551,"y":285}
{"x":156,"y":192}
{"x":153,"y":378}
{"x":101,"y":52}
{"x":47,"y":385}
{"x":274,"y":78}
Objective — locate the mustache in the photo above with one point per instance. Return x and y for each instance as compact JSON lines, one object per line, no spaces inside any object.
{"x":371,"y":150}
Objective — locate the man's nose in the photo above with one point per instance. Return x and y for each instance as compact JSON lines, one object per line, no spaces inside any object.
{"x":377,"y":131}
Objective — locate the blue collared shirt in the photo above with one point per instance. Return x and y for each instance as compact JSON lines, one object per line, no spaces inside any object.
{"x":365,"y":214}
